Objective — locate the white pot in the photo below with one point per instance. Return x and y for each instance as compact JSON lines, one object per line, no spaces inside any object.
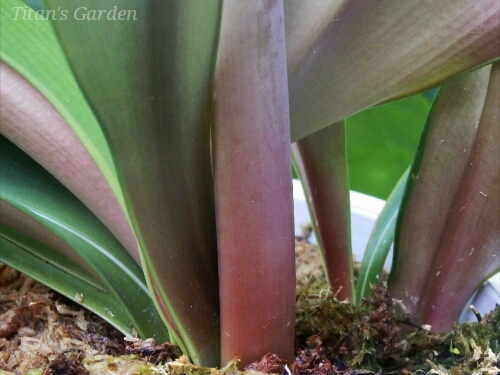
{"x":364,"y":211}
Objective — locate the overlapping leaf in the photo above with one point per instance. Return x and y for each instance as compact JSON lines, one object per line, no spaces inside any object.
{"x":46,"y":224}
{"x":345,"y":56}
{"x":58,"y":278}
{"x":44,"y":112}
{"x":448,"y":239}
{"x":148,"y":80}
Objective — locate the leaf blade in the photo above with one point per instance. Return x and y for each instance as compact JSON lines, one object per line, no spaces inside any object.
{"x":157,"y":124}
{"x":35,"y":206}
{"x":44,"y":112}
{"x":320,"y":160}
{"x":380,"y":240}
{"x":401,"y":49}
{"x":437,"y":191}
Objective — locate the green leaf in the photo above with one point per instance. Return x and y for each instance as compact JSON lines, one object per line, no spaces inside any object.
{"x":355,"y":54}
{"x":42,"y":217}
{"x":448,"y":226}
{"x":380,"y":241}
{"x":381,"y":143}
{"x":149,"y":82}
{"x":44,"y":112}
{"x":36,"y":241}
{"x":320,"y":161}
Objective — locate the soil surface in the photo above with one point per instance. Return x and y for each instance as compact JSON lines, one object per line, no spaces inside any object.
{"x":42,"y":332}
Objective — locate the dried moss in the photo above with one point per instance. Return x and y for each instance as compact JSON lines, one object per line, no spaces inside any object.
{"x":333,"y":338}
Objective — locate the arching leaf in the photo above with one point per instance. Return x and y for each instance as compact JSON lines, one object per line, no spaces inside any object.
{"x":380,"y":241}
{"x":148,"y":79}
{"x":355,"y":54}
{"x":42,"y":217}
{"x":44,"y":112}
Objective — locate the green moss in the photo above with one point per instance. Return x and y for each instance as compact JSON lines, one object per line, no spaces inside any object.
{"x":370,"y":336}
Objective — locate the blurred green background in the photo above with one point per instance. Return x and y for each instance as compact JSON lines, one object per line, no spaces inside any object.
{"x":381,"y":142}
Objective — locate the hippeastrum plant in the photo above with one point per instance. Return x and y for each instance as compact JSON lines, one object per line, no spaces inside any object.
{"x":156,"y":142}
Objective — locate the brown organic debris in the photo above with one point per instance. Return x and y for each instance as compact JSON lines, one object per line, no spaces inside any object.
{"x":152,"y":352}
{"x":314,"y":362}
{"x":68,"y":362}
{"x":381,"y":323}
{"x":307,"y":362}
{"x":269,"y":364}
{"x":41,"y":329}
{"x":24,"y":316}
